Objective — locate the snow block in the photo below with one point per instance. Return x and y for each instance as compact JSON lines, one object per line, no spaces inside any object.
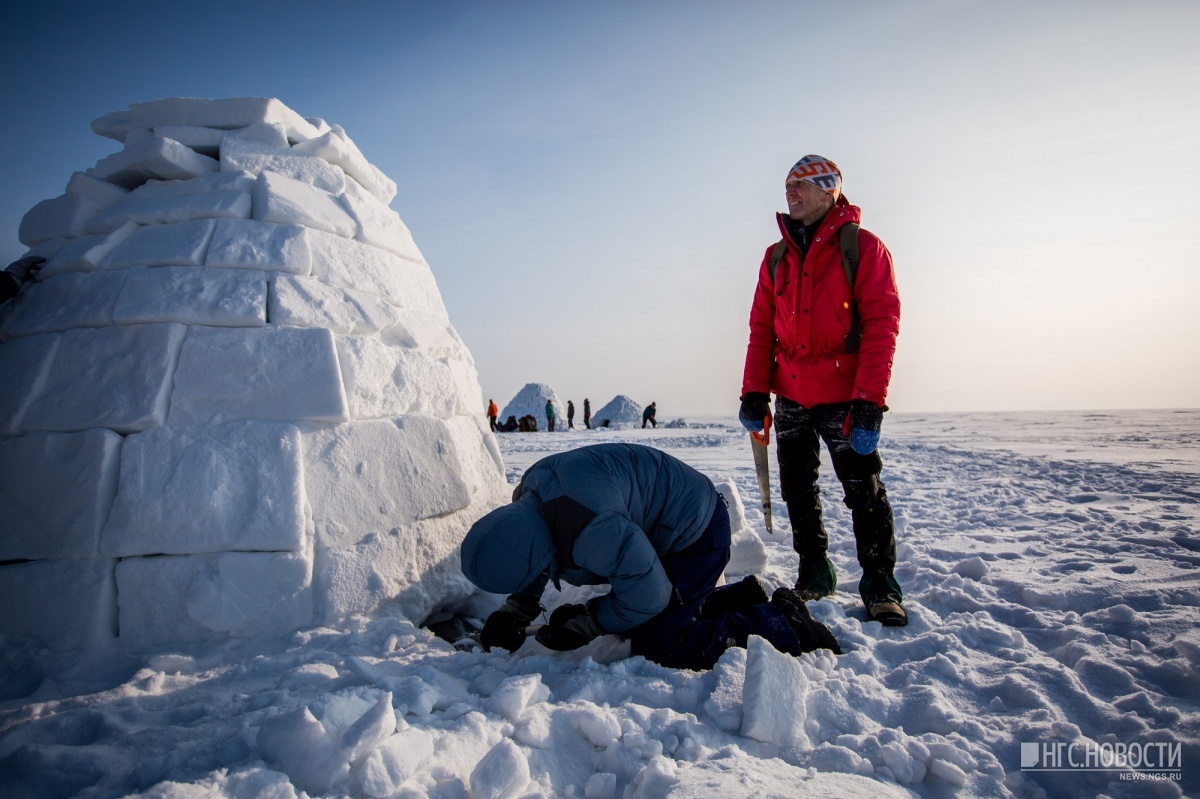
{"x":153,"y":158}
{"x":113,"y":125}
{"x":207,"y":141}
{"x":405,"y":469}
{"x":352,"y":264}
{"x":248,"y":244}
{"x":468,"y":396}
{"x":383,"y":381}
{"x":65,"y":604}
{"x":181,"y":599}
{"x":298,"y":744}
{"x":98,"y":191}
{"x":748,"y":554}
{"x":238,"y":155}
{"x":86,"y":253}
{"x":209,"y":488}
{"x":77,"y":299}
{"x":204,"y":184}
{"x":285,"y":374}
{"x":224,"y":114}
{"x":379,"y":225}
{"x":515,"y":694}
{"x":395,"y":761}
{"x":156,"y":210}
{"x":178,"y":244}
{"x":65,"y":216}
{"x":278,"y":198}
{"x":56,"y":489}
{"x":479,"y":454}
{"x":127,"y":370}
{"x":193,"y":295}
{"x":307,"y":302}
{"x":25,"y":364}
{"x":503,"y":773}
{"x":337,"y":148}
{"x":774,"y":697}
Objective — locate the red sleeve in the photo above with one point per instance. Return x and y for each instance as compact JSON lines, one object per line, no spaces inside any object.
{"x":760,"y":352}
{"x":878,"y":302}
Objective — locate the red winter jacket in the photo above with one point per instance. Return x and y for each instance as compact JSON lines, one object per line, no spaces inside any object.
{"x":799,"y":321}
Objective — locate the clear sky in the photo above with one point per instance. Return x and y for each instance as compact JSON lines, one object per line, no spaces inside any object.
{"x":594,"y":183}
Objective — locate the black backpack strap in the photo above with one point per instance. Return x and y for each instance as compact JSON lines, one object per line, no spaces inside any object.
{"x":849,"y":239}
{"x":777,"y":256}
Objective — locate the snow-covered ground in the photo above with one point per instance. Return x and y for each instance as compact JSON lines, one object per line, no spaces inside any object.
{"x":1050,"y":564}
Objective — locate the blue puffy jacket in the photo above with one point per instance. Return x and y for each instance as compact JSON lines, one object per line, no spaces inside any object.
{"x":591,"y":516}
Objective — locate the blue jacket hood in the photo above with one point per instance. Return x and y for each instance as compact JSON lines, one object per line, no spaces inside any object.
{"x":508,"y":549}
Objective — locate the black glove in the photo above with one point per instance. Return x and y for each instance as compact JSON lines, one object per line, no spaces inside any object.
{"x":865,"y":419}
{"x":506,"y":627}
{"x":570,"y":627}
{"x":755,"y":408}
{"x":25,"y":268}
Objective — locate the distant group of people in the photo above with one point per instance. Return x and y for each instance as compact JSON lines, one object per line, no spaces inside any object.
{"x":528,"y":423}
{"x":823,"y":328}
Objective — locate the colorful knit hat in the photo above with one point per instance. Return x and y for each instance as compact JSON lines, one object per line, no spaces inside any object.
{"x":819,"y":171}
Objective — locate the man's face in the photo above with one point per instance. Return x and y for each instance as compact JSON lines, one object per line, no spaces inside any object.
{"x":806,"y":203}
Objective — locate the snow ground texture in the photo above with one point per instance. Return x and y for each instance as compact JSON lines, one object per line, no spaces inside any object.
{"x":234,"y":379}
{"x":1050,"y":564}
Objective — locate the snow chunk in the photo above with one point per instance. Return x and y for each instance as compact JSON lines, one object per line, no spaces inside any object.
{"x":337,"y":148}
{"x":209,"y":598}
{"x":207,"y":141}
{"x":65,"y":216}
{"x":514,"y":695}
{"x":278,"y":198}
{"x":223,"y":114}
{"x":774,"y":696}
{"x":153,"y":158}
{"x":383,"y":381}
{"x":241,"y":155}
{"x":601,"y":786}
{"x":307,"y":302}
{"x":748,"y":553}
{"x":25,"y":364}
{"x":249,"y":244}
{"x":503,"y":773}
{"x":32,"y":604}
{"x":154,"y":210}
{"x":297,"y":743}
{"x":101,"y":192}
{"x":191,"y":295}
{"x":209,"y":488}
{"x":41,"y":519}
{"x":177,"y":244}
{"x":396,"y":760}
{"x":273,"y":373}
{"x":79,"y":299}
{"x":127,"y":370}
{"x":724,"y":705}
{"x":975,"y":568}
{"x":372,"y":728}
{"x":86,"y":253}
{"x":405,"y":469}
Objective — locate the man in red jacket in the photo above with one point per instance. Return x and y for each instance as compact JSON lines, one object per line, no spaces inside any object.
{"x":828,"y":384}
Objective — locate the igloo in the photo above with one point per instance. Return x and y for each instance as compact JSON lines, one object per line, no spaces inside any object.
{"x":531,"y":399}
{"x":621,"y":412}
{"x":234,"y":404}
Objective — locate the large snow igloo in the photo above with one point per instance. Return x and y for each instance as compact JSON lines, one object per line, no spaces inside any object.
{"x":233,"y":403}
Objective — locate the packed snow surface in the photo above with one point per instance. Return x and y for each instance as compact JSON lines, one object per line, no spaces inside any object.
{"x":1050,"y":568}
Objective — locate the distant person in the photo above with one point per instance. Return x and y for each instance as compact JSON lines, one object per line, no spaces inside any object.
{"x":652,"y":528}
{"x":570,"y":415}
{"x":822,"y":338}
{"x":549,"y":417}
{"x":493,"y":413}
{"x":587,"y":413}
{"x":17,"y":274}
{"x":648,"y":415}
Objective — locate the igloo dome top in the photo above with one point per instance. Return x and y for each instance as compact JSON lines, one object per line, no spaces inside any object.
{"x":234,"y":403}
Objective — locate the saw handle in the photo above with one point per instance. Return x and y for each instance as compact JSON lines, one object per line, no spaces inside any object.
{"x":764,"y":437}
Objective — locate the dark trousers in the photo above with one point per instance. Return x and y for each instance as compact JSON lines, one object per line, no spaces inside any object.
{"x":799,"y":432}
{"x":676,"y":637}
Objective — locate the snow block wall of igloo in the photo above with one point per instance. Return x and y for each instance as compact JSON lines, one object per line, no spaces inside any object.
{"x":531,"y":400}
{"x":621,"y":412}
{"x":233,"y":402}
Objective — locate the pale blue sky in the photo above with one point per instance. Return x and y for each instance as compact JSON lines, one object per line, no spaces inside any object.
{"x":594,"y":184}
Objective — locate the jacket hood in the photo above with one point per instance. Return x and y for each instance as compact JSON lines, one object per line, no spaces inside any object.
{"x":508,"y":548}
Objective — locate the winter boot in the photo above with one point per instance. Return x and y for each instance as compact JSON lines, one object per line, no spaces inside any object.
{"x":729,"y":598}
{"x":890,"y":614}
{"x":812,"y":634}
{"x":817,"y":578}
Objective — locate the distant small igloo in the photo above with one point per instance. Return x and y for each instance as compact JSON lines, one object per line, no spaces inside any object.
{"x":620,"y":412}
{"x":233,"y":403}
{"x":532,"y":400}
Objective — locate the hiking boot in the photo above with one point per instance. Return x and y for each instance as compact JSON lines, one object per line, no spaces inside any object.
{"x":890,"y":614}
{"x":810,"y":632}
{"x":731,"y":598}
